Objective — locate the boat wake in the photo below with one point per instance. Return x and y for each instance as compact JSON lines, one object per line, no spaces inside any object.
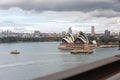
{"x":24,"y":63}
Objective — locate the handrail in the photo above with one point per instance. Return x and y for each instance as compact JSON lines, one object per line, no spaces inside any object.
{"x":86,"y":70}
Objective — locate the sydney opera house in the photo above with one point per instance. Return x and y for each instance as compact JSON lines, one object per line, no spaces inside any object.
{"x":69,"y":42}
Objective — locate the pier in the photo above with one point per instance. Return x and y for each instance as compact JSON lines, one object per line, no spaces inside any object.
{"x":105,"y":69}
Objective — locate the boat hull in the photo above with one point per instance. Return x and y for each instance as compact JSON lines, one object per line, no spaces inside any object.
{"x":15,"y":53}
{"x":81,"y":52}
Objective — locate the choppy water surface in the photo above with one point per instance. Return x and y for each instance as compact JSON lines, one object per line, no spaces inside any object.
{"x":42,"y":58}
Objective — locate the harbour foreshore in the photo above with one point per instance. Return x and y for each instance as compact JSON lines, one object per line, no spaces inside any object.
{"x":107,"y":46}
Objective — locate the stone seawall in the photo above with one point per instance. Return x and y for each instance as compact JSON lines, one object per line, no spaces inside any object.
{"x":72,"y":46}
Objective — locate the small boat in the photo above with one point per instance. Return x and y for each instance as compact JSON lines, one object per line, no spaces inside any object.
{"x":14,"y":52}
{"x":81,"y":51}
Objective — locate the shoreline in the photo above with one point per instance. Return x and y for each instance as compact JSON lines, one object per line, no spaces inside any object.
{"x":26,"y":42}
{"x":107,"y":46}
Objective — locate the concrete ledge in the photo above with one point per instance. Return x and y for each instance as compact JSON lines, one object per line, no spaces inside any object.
{"x":115,"y":77}
{"x":86,"y":71}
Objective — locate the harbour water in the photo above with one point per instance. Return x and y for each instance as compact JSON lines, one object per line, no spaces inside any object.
{"x":38,"y":59}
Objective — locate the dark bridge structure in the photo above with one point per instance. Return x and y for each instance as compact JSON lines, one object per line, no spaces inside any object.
{"x":106,"y":69}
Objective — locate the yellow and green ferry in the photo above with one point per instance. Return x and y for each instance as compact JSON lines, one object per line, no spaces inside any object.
{"x":81,"y":51}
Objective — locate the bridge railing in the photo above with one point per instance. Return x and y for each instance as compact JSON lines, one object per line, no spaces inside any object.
{"x":92,"y":71}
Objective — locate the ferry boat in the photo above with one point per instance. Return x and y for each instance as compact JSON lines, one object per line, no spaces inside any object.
{"x":81,"y":51}
{"x":14,"y":52}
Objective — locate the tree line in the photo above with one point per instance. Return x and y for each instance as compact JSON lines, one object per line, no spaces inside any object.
{"x":102,"y":40}
{"x":28,"y":39}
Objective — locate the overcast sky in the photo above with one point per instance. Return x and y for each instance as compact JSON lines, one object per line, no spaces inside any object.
{"x":58,"y":15}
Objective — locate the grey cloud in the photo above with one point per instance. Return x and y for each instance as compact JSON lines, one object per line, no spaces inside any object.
{"x":65,"y":5}
{"x":85,"y":6}
{"x":104,"y":13}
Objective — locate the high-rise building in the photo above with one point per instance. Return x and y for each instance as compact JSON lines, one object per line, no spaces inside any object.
{"x":92,"y":30}
{"x":70,"y":30}
{"x":107,"y":34}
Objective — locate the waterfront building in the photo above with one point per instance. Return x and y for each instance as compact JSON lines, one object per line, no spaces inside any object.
{"x":37,"y":34}
{"x":27,"y":35}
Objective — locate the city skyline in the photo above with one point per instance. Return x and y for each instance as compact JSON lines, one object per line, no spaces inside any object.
{"x":69,"y":30}
{"x":91,"y":30}
{"x":59,"y":15}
